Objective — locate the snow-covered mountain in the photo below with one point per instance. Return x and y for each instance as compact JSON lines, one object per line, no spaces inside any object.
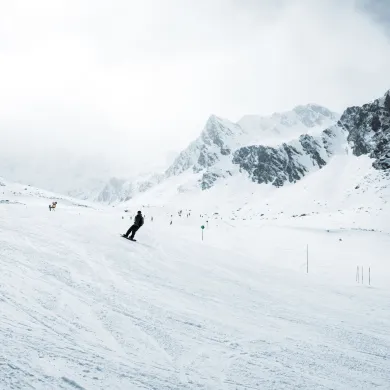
{"x":310,"y":136}
{"x":278,"y":270}
{"x":225,"y":148}
{"x":220,"y":138}
{"x":121,"y":190}
{"x":212,"y":155}
{"x":277,"y":149}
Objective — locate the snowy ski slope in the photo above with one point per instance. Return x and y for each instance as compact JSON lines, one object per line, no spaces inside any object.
{"x":82,"y":308}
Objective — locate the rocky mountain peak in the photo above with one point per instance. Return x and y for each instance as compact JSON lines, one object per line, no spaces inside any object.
{"x":218,"y":131}
{"x":369,"y":130}
{"x":218,"y":138}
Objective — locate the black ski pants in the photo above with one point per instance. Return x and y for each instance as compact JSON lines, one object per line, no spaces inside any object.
{"x":133,"y":229}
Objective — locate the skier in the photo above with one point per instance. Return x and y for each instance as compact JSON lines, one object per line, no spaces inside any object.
{"x":138,"y":222}
{"x":52,"y":206}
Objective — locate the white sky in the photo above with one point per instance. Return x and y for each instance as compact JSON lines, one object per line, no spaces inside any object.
{"x":136,"y":80}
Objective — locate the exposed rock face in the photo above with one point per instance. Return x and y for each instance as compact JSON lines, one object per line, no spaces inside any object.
{"x":208,"y":179}
{"x":269,"y":165}
{"x":366,"y":129}
{"x":369,"y":130}
{"x":289,"y":162}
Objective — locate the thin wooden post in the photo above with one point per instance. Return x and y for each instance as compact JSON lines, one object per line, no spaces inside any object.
{"x":362,"y":274}
{"x":307,"y":258}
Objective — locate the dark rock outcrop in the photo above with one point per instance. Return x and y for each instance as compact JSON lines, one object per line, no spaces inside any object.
{"x":289,"y":162}
{"x":369,"y":130}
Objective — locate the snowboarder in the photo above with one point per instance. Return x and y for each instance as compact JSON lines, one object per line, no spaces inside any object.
{"x":138,"y":222}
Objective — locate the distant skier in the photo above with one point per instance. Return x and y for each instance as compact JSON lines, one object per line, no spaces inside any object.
{"x":138,"y":222}
{"x":52,"y":206}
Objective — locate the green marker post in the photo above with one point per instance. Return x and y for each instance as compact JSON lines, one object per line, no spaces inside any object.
{"x":202,"y":227}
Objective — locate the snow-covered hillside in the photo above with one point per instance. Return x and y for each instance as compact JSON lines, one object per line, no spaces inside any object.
{"x":81,"y":308}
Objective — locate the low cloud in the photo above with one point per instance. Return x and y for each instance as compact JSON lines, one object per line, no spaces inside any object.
{"x":132,"y":81}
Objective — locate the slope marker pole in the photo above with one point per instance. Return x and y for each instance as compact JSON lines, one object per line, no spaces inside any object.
{"x":307,"y":258}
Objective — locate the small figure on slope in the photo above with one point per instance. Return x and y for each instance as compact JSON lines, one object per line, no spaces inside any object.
{"x":138,"y":222}
{"x":52,"y":206}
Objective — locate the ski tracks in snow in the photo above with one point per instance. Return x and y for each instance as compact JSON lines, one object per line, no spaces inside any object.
{"x":84,"y":309}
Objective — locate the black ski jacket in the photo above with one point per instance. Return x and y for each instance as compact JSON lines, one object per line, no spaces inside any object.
{"x":138,"y":220}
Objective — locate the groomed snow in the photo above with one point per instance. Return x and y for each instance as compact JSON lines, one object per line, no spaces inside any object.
{"x":82,"y":308}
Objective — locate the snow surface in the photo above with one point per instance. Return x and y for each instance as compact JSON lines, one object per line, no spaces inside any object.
{"x":82,"y":308}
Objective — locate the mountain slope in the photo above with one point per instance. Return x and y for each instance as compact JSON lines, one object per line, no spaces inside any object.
{"x":83,"y":308}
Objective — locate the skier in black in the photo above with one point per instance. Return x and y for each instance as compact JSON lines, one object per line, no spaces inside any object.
{"x":138,"y":222}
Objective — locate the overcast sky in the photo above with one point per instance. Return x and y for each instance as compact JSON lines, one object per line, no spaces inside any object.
{"x":136,"y":80}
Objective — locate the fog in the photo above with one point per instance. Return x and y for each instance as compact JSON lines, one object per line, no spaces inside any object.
{"x":132,"y":82}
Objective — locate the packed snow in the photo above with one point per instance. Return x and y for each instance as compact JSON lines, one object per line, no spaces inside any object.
{"x":83,"y":308}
